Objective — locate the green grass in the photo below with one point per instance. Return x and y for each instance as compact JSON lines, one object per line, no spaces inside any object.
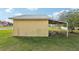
{"x":55,"y":29}
{"x":54,"y":43}
{"x":6,"y":26}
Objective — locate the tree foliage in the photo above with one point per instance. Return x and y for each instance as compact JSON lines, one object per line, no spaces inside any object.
{"x":72,"y":17}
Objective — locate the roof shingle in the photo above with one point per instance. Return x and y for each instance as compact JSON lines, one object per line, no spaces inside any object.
{"x":31,"y":17}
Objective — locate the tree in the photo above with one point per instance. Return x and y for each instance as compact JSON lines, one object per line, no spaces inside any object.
{"x":72,"y":17}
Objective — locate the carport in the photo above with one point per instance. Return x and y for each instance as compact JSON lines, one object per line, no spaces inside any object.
{"x":51,"y":21}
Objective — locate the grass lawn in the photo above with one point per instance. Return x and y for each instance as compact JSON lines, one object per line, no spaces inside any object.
{"x":54,"y":43}
{"x":56,"y":29}
{"x":6,"y":27}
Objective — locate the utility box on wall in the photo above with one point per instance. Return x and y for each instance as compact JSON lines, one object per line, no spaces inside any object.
{"x":30,"y":25}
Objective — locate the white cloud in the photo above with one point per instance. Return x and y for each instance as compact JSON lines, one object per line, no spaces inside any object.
{"x":67,"y":10}
{"x":50,"y":16}
{"x":18,"y":14}
{"x":9,"y":20}
{"x":56,"y":14}
{"x":9,"y":10}
{"x":32,"y":9}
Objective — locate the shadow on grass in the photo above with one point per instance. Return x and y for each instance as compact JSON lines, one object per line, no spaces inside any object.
{"x":31,"y":39}
{"x":52,"y":39}
{"x":56,"y":42}
{"x":41,"y":40}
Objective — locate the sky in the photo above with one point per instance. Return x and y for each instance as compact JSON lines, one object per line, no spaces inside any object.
{"x":6,"y":13}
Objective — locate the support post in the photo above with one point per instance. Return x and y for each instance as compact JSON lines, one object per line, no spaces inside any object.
{"x":67,"y":30}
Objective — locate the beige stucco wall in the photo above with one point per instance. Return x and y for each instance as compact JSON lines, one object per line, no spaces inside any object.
{"x":30,"y":28}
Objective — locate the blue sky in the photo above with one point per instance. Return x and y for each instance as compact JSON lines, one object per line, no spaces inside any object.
{"x":5,"y":13}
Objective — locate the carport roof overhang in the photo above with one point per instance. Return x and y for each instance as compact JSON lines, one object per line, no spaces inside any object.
{"x":56,"y":22}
